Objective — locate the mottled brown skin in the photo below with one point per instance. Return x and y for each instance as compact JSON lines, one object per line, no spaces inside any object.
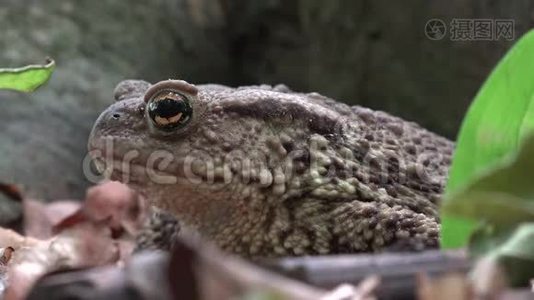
{"x":362,"y":180}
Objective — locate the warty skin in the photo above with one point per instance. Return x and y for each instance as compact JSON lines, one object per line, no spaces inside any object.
{"x":264,"y":171}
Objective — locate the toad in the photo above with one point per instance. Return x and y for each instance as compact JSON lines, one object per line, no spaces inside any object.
{"x":265,"y":171}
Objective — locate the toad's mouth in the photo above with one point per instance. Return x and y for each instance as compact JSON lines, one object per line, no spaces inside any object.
{"x":131,"y":169}
{"x":132,"y":173}
{"x":134,"y":165}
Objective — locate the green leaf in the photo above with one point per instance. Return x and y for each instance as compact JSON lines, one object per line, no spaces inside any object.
{"x":487,"y":238}
{"x":521,"y":244}
{"x":516,"y":255}
{"x":26,"y":79}
{"x":502,"y":196}
{"x":499,"y":117}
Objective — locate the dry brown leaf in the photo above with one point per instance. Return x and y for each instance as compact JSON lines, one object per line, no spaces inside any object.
{"x":77,"y":217}
{"x":11,"y":191}
{"x":364,"y":291}
{"x":445,"y":287}
{"x":488,"y":278}
{"x":10,"y":238}
{"x":86,"y":235}
{"x":85,"y":245}
{"x":117,"y":203}
{"x":41,"y":218}
{"x":6,"y":255}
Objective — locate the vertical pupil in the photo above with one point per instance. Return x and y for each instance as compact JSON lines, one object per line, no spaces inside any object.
{"x":167,"y":108}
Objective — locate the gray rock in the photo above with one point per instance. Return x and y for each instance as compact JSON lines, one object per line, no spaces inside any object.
{"x":95,"y":45}
{"x":374,"y":53}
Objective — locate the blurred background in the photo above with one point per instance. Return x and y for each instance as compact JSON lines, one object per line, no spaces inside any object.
{"x":371,"y":53}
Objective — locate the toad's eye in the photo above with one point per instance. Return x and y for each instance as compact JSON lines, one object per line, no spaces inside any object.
{"x":169,"y":110}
